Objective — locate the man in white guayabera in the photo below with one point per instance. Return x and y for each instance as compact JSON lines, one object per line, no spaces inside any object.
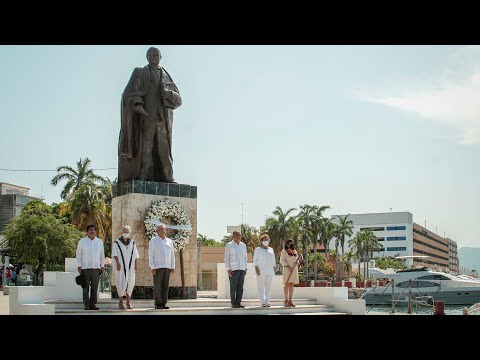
{"x":161,"y":259}
{"x":236,"y":264}
{"x":125,"y":254}
{"x":90,"y":259}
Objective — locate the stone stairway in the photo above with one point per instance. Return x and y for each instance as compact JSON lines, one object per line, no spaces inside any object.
{"x":199,"y":306}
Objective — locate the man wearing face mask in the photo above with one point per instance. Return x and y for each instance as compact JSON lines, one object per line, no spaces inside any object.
{"x":264,"y":262}
{"x":125,"y":253}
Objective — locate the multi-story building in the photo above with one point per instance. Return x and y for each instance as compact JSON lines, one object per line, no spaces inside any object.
{"x":453,"y":255}
{"x":12,"y":200}
{"x":400,"y":236}
{"x":394,"y":231}
{"x":426,"y":242}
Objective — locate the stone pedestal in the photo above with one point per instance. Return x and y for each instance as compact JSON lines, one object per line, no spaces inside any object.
{"x":130,"y":204}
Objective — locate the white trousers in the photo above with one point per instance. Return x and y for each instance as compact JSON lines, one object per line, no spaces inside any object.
{"x":264,"y":287}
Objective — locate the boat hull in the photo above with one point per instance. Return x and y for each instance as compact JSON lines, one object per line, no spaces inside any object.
{"x":450,"y":297}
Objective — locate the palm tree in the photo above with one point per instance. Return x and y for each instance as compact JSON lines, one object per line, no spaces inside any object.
{"x":347,"y":261}
{"x":344,"y":228}
{"x":76,"y":177}
{"x":356,"y":244}
{"x":279,"y":228}
{"x":313,"y":220}
{"x":250,"y":237}
{"x":319,"y":261}
{"x":86,"y":206}
{"x":202,"y":240}
{"x":371,"y":244}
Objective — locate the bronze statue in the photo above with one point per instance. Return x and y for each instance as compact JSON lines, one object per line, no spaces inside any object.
{"x":145,"y":144}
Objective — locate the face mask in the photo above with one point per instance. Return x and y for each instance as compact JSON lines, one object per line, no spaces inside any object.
{"x":265,"y":243}
{"x":126,"y":236}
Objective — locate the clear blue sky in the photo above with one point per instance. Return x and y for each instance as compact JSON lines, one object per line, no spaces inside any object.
{"x":358,"y":128}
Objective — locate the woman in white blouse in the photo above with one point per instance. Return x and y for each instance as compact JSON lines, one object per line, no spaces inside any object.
{"x":264,"y":262}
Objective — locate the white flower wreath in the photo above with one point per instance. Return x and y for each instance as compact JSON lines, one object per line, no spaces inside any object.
{"x":163,"y":209}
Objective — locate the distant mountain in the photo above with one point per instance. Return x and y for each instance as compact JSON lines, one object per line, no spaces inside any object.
{"x":469,"y":257}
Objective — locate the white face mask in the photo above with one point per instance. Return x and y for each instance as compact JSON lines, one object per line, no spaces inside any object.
{"x":126,"y":236}
{"x":265,"y":243}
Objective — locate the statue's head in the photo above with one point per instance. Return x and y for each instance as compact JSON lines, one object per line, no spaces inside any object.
{"x":153,"y":56}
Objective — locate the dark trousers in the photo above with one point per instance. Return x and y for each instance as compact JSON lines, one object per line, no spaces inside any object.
{"x":92,"y":276}
{"x":236,"y":286}
{"x":161,"y":279}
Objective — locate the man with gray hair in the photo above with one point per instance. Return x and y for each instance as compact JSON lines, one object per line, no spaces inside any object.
{"x":161,"y":259}
{"x":145,"y":143}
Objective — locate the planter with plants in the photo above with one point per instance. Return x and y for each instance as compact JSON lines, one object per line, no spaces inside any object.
{"x":302,"y":282}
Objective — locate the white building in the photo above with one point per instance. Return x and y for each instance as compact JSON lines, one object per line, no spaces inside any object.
{"x":394,"y":231}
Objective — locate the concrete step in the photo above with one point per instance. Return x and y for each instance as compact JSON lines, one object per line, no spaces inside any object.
{"x":193,"y":303}
{"x":208,"y":310}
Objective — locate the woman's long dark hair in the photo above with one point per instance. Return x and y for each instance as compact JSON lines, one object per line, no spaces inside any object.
{"x":288,"y":242}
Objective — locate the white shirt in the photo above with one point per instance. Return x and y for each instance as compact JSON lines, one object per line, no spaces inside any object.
{"x":161,"y":253}
{"x":90,"y":253}
{"x":235,"y":256}
{"x":265,"y":260}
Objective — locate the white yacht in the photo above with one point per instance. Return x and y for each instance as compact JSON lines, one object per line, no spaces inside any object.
{"x":423,"y":283}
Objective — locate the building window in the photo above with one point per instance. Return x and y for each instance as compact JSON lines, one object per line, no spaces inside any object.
{"x":378,"y":228}
{"x":395,"y":238}
{"x":396,"y":249}
{"x":391,"y":228}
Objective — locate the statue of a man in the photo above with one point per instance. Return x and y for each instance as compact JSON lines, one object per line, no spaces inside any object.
{"x":145,"y":144}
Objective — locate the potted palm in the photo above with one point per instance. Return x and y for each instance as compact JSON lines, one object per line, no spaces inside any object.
{"x":359,"y":280}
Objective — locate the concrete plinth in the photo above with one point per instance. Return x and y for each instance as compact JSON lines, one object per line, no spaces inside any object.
{"x":129,"y":206}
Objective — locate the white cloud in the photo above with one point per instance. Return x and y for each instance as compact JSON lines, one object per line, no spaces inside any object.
{"x":453,"y":99}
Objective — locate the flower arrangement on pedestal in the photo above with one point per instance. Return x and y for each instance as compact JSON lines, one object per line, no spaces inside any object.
{"x":167,"y":209}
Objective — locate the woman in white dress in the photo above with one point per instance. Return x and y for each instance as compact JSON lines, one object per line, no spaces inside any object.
{"x":125,"y":253}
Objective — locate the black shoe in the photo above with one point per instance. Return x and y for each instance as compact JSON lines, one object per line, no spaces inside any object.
{"x":166,"y":307}
{"x":86,"y":307}
{"x":235,"y":306}
{"x":241,"y":306}
{"x":93,"y":307}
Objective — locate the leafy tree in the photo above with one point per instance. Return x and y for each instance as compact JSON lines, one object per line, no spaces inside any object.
{"x":203,"y":240}
{"x":40,"y":237}
{"x":390,"y":262}
{"x":87,"y":205}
